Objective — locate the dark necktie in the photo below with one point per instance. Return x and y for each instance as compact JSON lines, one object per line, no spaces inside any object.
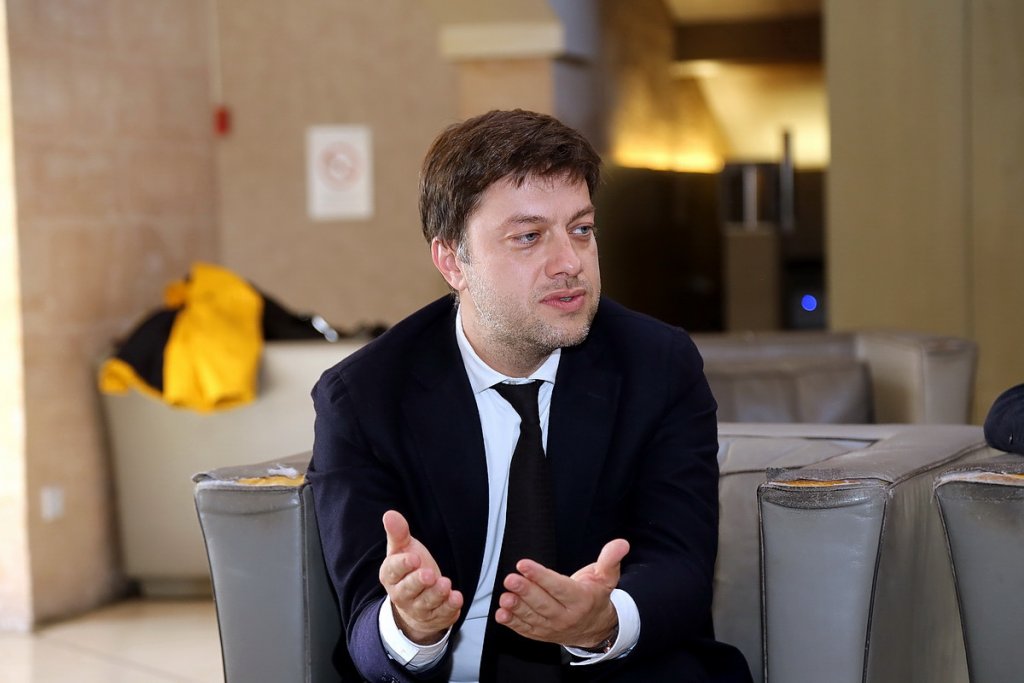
{"x":529,"y":533}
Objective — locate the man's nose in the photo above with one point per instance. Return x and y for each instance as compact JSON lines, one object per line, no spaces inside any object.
{"x":564,"y":259}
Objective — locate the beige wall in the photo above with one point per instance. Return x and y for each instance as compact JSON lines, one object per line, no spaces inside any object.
{"x":898,"y":232}
{"x":925,"y":212}
{"x":495,"y":12}
{"x":996,"y":193}
{"x":486,"y":84}
{"x":542,"y":56}
{"x":115,"y":196}
{"x":15,"y":577}
{"x":289,"y":65}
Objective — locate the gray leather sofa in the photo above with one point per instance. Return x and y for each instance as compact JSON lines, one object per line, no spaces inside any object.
{"x":776,"y":377}
{"x":840,"y":377}
{"x":982,"y":508}
{"x":828,"y":538}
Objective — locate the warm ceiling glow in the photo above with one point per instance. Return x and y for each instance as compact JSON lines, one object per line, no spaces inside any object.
{"x":753,"y":104}
{"x":695,"y":68}
{"x":667,"y":126}
{"x":638,"y":156}
{"x":740,"y":10}
{"x":719,"y":111}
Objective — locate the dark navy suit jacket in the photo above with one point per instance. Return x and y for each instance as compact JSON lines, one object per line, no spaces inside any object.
{"x":1004,"y":425}
{"x":633,"y":446}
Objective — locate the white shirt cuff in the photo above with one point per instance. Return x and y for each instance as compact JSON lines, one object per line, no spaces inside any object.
{"x":629,"y":632}
{"x":412,"y":656}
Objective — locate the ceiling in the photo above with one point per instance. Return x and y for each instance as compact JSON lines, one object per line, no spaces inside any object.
{"x":700,"y":11}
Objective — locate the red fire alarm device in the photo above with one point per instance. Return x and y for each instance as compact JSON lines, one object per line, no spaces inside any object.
{"x":221,"y":120}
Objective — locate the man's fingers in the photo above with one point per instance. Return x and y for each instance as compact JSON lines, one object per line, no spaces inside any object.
{"x":420,"y":591}
{"x":542,"y":604}
{"x":611,"y":557}
{"x":454,"y":602}
{"x":442,"y":599}
{"x":426,"y":600}
{"x":397,"y":530}
{"x":538,"y":583}
{"x":420,"y":588}
{"x":397,"y":568}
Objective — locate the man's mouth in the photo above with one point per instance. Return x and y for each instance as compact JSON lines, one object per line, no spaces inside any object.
{"x":566,"y":301}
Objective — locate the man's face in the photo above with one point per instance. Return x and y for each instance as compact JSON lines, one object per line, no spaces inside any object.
{"x":531,"y":282}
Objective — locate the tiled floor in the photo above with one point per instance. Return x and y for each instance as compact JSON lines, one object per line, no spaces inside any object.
{"x":137,"y":641}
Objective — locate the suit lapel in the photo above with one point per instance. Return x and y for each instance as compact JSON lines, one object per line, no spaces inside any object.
{"x":441,"y":413}
{"x":442,"y":416}
{"x":583,"y":408}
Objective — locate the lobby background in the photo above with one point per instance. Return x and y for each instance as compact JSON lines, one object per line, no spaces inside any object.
{"x":112,"y":182}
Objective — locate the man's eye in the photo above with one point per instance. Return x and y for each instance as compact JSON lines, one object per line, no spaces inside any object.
{"x":528,"y":238}
{"x":583,"y":230}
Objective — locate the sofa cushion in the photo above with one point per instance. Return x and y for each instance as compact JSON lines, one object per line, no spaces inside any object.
{"x":815,"y":390}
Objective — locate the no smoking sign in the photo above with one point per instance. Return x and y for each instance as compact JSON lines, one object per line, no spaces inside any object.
{"x":341,"y":165}
{"x":339,"y":172}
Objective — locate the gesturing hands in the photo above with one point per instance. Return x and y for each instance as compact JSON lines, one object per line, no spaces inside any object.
{"x":570,"y":610}
{"x":539,"y":603}
{"x":424,"y":603}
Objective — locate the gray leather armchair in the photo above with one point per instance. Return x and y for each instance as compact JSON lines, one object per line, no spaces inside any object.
{"x":840,"y":377}
{"x":982,"y":508}
{"x":275,"y":607}
{"x":827,"y":538}
{"x":856,"y":582}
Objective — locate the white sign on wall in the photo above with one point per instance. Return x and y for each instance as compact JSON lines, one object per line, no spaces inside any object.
{"x":339,"y":173}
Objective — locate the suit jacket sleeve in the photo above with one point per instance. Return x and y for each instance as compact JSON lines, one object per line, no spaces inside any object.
{"x":672,"y":509}
{"x":352,"y":488}
{"x":1004,"y":424}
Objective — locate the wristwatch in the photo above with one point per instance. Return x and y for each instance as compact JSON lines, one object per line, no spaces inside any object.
{"x":605,"y":646}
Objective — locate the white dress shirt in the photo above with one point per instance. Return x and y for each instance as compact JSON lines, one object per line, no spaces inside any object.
{"x":500,"y":425}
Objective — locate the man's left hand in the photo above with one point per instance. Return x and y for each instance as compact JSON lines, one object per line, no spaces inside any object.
{"x":576,"y":611}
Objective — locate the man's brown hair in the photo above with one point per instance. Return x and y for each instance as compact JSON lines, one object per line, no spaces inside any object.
{"x":468,"y":157}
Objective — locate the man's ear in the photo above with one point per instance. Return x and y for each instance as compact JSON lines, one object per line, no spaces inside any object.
{"x":447,"y":263}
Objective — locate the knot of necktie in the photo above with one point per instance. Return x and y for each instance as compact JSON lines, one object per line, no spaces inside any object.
{"x":523,"y":398}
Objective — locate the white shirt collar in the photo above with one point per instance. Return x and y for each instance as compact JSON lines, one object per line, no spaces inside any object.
{"x":482,"y":376}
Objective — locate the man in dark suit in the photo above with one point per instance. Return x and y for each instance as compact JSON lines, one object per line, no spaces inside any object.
{"x":1004,"y":424}
{"x":417,"y":430}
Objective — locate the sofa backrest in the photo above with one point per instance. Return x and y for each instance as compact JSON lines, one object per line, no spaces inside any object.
{"x":840,"y":377}
{"x":807,"y":390}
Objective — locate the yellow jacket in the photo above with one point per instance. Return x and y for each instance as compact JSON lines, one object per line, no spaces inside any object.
{"x":212,"y":353}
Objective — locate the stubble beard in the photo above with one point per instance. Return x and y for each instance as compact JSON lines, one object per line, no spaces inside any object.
{"x":521,"y":337}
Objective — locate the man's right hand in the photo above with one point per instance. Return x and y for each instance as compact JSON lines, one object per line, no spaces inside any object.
{"x":425,"y":606}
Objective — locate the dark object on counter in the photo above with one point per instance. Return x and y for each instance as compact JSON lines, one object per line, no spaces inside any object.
{"x":1004,"y":426}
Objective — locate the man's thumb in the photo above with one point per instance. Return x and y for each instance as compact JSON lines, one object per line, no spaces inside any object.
{"x":397,"y":530}
{"x":611,"y":557}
